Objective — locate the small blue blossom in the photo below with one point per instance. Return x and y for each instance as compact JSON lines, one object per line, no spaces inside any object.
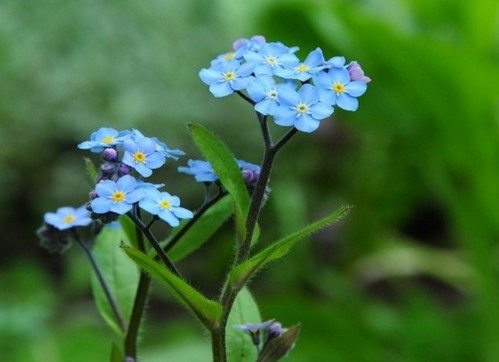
{"x":314,"y":63}
{"x":265,"y":93}
{"x":249,"y":171}
{"x":161,"y":147}
{"x":201,"y":170}
{"x":270,"y":57}
{"x":117,"y":197}
{"x":142,"y":155}
{"x":337,"y":88}
{"x":226,"y":77}
{"x":255,"y":330}
{"x":302,"y":109}
{"x":103,"y":138}
{"x":68,"y":217}
{"x":165,"y":206}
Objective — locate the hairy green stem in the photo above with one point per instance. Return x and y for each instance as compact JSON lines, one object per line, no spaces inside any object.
{"x":229,"y":293}
{"x":102,"y":282}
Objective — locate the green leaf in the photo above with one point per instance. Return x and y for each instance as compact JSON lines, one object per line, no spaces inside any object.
{"x":279,"y":346}
{"x":202,"y":229}
{"x":225,"y":166}
{"x":117,"y":354}
{"x":91,"y":170}
{"x":243,"y":272}
{"x":240,"y":348}
{"x":208,"y":311}
{"x":129,"y":229}
{"x":119,"y":272}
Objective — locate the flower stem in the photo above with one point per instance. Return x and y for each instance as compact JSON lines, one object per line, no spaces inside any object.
{"x":155,"y":244}
{"x":102,"y":281}
{"x":230,"y":292}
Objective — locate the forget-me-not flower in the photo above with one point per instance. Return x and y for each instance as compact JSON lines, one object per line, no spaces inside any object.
{"x":314,"y":63}
{"x":68,"y":217}
{"x":302,"y":109}
{"x":337,"y":88}
{"x":226,"y":77}
{"x":103,"y":138}
{"x":142,"y":155}
{"x":201,"y":170}
{"x":265,"y":93}
{"x":165,"y":206}
{"x":117,"y":197}
{"x":271,"y":56}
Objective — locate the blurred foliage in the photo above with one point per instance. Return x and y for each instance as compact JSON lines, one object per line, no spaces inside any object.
{"x":410,"y":275}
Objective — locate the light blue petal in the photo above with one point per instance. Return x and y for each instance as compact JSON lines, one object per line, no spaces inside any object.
{"x":120,"y":208}
{"x":346,"y":102}
{"x":126,"y":183}
{"x":100,"y":205}
{"x":306,"y":124}
{"x":155,"y":160}
{"x":209,"y":76}
{"x":142,"y":169}
{"x":289,"y":97}
{"x":356,"y":88}
{"x":182,"y":213}
{"x":309,"y":94}
{"x":150,"y":205}
{"x":221,"y":89}
{"x":321,"y":111}
{"x":105,"y":188}
{"x":135,"y":196}
{"x":168,"y":216}
{"x":340,"y":75}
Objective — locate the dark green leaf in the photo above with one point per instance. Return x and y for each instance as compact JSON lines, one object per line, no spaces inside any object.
{"x":202,"y":229}
{"x":243,"y":272}
{"x":227,"y":170}
{"x":279,"y":346}
{"x":117,"y":354}
{"x":208,"y":311}
{"x":240,"y":347}
{"x":119,"y":272}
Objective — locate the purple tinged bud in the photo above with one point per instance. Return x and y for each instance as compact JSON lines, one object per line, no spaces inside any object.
{"x":107,"y":168}
{"x":110,"y":154}
{"x":275,"y":330}
{"x":356,"y":72}
{"x":124,"y":170}
{"x":249,"y":176}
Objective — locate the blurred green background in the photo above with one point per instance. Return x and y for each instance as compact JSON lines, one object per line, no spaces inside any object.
{"x":410,"y":275}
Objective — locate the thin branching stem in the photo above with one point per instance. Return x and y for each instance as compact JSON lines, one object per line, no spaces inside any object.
{"x":102,"y":281}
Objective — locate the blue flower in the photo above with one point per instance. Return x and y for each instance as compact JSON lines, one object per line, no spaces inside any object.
{"x":250,"y":172}
{"x":142,"y":155}
{"x":337,"y":88}
{"x":201,"y":170}
{"x":68,"y":217}
{"x":271,"y":56}
{"x":226,"y":77}
{"x":161,"y":147}
{"x":304,"y":71}
{"x":103,"y":138}
{"x":302,"y":109}
{"x":255,"y":329}
{"x":117,"y":197}
{"x":265,"y":92}
{"x":165,"y":206}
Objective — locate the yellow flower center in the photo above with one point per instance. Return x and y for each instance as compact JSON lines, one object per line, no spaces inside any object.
{"x":139,"y":157}
{"x":302,"y":108}
{"x":165,"y":204}
{"x":302,"y":68}
{"x":69,"y":219}
{"x":229,"y":76}
{"x":229,"y":56}
{"x":338,"y":87}
{"x":108,"y":139}
{"x":271,"y":60}
{"x":118,"y":196}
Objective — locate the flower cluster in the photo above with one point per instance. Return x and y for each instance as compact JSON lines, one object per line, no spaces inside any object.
{"x":117,"y":191}
{"x":294,"y":93}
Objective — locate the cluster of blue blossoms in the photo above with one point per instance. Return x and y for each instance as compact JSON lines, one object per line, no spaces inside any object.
{"x":294,"y":93}
{"x":117,"y":190}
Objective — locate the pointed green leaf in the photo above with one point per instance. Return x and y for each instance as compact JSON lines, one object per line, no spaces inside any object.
{"x":240,"y":348}
{"x":91,"y":170}
{"x":225,"y":166}
{"x":117,"y":354}
{"x":202,"y":229}
{"x":208,"y":311}
{"x":243,"y":272}
{"x":279,"y":346}
{"x":129,"y":229}
{"x":120,"y":273}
